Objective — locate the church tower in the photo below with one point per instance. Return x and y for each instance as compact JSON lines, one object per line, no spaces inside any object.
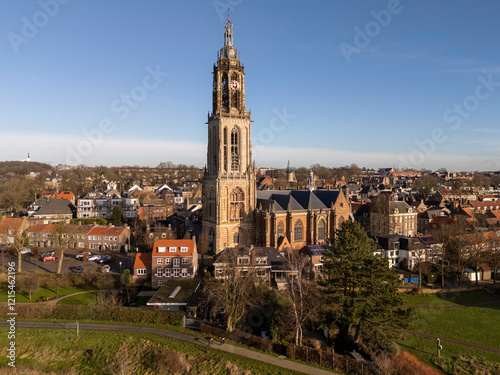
{"x":229,"y":182}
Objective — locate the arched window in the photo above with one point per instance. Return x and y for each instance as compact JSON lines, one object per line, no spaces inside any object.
{"x":211,"y":204}
{"x":211,"y":240}
{"x":321,"y":230}
{"x":280,"y":229}
{"x":235,"y":149}
{"x":297,"y":231}
{"x":236,"y":204}
{"x":225,"y":91}
{"x":235,"y":84}
{"x":224,"y":167}
{"x":236,"y":238}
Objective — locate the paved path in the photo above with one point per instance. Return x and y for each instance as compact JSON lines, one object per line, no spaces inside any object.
{"x":463,"y":343}
{"x":52,"y":302}
{"x":281,"y":362}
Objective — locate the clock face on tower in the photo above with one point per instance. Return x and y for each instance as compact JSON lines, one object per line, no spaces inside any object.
{"x":235,"y":85}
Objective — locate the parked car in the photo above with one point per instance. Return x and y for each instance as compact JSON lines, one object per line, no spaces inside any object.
{"x":105,"y":268}
{"x":48,"y":253}
{"x":26,"y":250}
{"x":79,"y":268}
{"x":80,"y":256}
{"x":94,"y":258}
{"x":105,"y":258}
{"x":48,"y":257}
{"x":5,"y":248}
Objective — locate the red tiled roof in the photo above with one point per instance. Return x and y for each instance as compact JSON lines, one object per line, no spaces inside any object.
{"x":143,"y":260}
{"x":106,"y":231}
{"x":174,"y":243}
{"x":66,"y":194}
{"x":10,"y":223}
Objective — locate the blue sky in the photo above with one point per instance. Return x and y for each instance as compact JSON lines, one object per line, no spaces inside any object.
{"x":381,"y":83}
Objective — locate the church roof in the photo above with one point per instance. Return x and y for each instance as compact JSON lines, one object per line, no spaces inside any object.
{"x":281,"y":200}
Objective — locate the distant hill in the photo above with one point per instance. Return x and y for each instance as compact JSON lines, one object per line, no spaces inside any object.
{"x":22,"y":168}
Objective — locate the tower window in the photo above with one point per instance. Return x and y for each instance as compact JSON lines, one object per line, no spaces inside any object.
{"x":225,"y":91}
{"x":234,"y":91}
{"x":236,"y":205}
{"x":297,"y":231}
{"x":235,"y":151}
{"x":224,"y":167}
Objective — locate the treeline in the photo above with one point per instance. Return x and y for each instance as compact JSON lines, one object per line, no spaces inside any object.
{"x":22,"y":168}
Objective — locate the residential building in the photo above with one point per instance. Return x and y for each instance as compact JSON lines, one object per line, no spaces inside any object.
{"x":12,"y":227}
{"x":392,"y":217}
{"x":52,"y":210}
{"x":142,"y":268}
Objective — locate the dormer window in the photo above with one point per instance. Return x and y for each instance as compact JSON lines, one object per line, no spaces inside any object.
{"x":162,"y":249}
{"x":243,"y":260}
{"x":184,"y":249}
{"x":172,"y":249}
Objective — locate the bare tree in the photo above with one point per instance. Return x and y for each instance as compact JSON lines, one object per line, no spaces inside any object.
{"x":302,"y":297}
{"x":64,"y":241}
{"x":20,"y":240}
{"x":234,"y":293}
{"x":29,"y":283}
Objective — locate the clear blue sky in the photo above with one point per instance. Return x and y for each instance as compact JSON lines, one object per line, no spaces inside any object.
{"x":395,"y":88}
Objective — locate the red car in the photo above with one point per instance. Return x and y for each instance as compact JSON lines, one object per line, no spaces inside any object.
{"x":48,"y":257}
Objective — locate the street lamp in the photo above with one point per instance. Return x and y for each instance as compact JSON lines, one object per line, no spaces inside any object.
{"x":120,"y":267}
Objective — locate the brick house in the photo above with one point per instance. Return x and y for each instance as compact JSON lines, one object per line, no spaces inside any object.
{"x":142,"y":268}
{"x":173,"y":259}
{"x":11,"y":227}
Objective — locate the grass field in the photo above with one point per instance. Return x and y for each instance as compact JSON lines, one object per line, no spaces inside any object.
{"x":473,"y":324}
{"x":40,"y":294}
{"x":61,"y":351}
{"x":86,"y":299}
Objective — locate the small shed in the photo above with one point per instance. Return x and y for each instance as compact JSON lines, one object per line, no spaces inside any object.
{"x":485,"y":271}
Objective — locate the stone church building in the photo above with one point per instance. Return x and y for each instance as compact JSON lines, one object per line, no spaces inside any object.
{"x":234,"y":213}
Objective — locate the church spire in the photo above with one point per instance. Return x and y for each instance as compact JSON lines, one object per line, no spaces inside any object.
{"x":228,"y":51}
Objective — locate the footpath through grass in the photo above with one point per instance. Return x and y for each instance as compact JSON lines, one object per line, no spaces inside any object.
{"x":94,"y":352}
{"x":41,"y":294}
{"x":472,"y":324}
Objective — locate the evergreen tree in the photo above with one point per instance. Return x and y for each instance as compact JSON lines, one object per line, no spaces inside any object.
{"x":362,"y":293}
{"x":117,"y":216}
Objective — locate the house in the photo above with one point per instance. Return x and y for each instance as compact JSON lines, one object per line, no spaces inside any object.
{"x":66,"y":195}
{"x":313,"y":256}
{"x":82,"y":237}
{"x":52,"y":210}
{"x":174,"y":294}
{"x":11,"y":227}
{"x":392,"y":217}
{"x":173,"y":259}
{"x":267,"y":263}
{"x":142,"y":268}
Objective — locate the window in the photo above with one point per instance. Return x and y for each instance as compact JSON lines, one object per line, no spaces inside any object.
{"x":280,"y":230}
{"x":161,"y":249}
{"x":159,"y":272}
{"x":225,"y":91}
{"x":168,"y":272}
{"x":184,"y":260}
{"x":177,"y":262}
{"x":159,"y":261}
{"x":184,"y":249}
{"x":234,"y":91}
{"x":236,"y":205}
{"x":141,"y":271}
{"x":172,"y":249}
{"x":236,"y":238}
{"x":297,"y":231}
{"x":184,"y":272}
{"x":160,"y":283}
{"x":261,"y":260}
{"x":321,"y":230}
{"x":243,"y":260}
{"x":235,"y":151}
{"x":168,"y":260}
{"x":176,"y":272}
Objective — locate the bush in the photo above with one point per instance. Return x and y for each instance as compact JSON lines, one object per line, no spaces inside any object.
{"x":260,"y":343}
{"x":212,"y":330}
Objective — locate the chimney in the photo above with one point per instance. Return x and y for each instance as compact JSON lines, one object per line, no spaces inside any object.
{"x":110,"y":225}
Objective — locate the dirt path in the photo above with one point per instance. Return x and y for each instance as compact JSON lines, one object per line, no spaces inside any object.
{"x":463,"y":343}
{"x":278,"y":361}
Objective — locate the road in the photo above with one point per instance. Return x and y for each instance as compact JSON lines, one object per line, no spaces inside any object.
{"x":281,"y":362}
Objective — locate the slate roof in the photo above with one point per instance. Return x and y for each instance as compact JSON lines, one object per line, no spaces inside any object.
{"x":316,"y":250}
{"x":53,"y":207}
{"x":281,"y":200}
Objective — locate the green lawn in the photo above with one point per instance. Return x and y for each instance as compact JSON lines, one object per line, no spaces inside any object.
{"x":132,"y":353}
{"x":448,"y":299}
{"x":86,"y":299}
{"x":473,"y":324}
{"x":41,"y":293}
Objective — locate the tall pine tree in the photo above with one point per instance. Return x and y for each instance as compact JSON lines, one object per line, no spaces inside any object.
{"x":362,"y":293}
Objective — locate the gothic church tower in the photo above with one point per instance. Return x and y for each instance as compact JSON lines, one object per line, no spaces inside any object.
{"x":229,"y":184}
